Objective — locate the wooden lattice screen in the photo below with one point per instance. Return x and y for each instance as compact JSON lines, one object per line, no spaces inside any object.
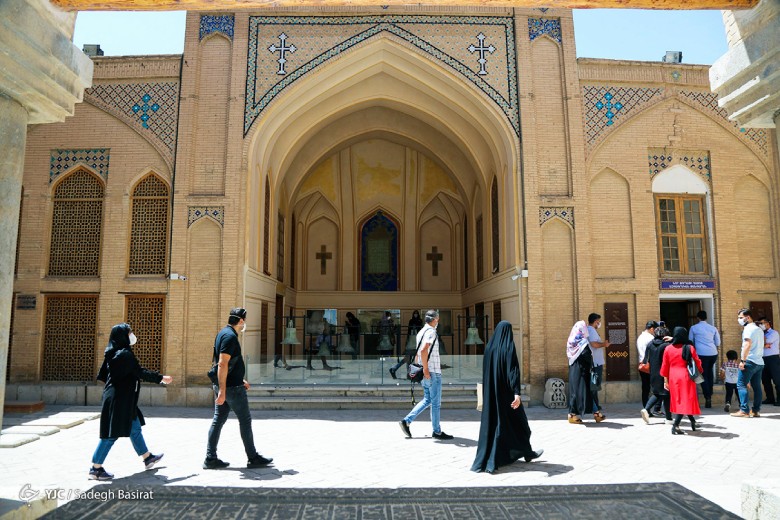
{"x":149,"y":230}
{"x":10,"y":341}
{"x":76,"y":226}
{"x":145,"y":314}
{"x":280,"y":248}
{"x":496,"y":313}
{"x":69,"y":335}
{"x":479,"y":252}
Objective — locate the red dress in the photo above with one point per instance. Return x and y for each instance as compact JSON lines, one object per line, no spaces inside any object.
{"x":682,"y":389}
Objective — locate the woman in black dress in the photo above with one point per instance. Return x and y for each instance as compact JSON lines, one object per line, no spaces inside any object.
{"x":504,"y":434}
{"x":120,"y":416}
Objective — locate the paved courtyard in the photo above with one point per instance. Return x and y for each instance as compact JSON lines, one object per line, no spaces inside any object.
{"x":332,"y":448}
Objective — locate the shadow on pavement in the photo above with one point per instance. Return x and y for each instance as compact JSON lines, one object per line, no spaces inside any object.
{"x":704,"y":433}
{"x":608,"y":425}
{"x":527,"y":467}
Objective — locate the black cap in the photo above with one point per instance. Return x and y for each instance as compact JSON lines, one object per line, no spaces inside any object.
{"x":651,"y":324}
{"x":238,"y":312}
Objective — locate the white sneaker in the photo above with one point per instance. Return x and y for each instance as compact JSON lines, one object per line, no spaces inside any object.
{"x":645,"y":416}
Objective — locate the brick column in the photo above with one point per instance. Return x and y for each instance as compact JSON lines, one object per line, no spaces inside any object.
{"x":43,"y":77}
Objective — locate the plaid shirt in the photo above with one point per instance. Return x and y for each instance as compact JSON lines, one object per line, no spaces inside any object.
{"x":428,"y":335}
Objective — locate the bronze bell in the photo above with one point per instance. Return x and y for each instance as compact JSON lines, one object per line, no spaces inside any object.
{"x":291,"y":335}
{"x":345,"y":346}
{"x":472,"y":336}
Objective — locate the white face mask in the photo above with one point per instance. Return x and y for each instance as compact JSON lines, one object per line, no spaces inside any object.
{"x":742,"y":321}
{"x":133,"y":339}
{"x":598,"y":326}
{"x":243,"y":327}
{"x":763,"y":327}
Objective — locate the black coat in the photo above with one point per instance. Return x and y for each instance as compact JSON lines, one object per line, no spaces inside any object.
{"x":504,"y":434}
{"x":123,"y":375}
{"x":655,"y":356}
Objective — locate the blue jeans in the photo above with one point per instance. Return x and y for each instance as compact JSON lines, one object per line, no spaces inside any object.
{"x":236,"y":400}
{"x":751,"y":374}
{"x":432,"y":398}
{"x":104,"y":446}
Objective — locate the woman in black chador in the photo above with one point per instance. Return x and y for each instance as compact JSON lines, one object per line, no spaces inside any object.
{"x":120,"y":416}
{"x":504,"y":435}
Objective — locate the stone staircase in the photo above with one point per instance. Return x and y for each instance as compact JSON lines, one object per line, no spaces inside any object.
{"x":355,"y":397}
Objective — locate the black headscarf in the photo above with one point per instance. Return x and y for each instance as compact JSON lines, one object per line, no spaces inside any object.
{"x":119,"y":339}
{"x":680,"y":336}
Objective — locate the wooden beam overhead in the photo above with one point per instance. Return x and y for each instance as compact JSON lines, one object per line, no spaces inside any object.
{"x":232,"y":5}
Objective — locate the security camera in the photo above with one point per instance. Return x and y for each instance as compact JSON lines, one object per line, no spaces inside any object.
{"x":182,"y":278}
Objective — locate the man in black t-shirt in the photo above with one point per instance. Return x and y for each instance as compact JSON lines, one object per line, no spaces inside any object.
{"x":231,"y":394}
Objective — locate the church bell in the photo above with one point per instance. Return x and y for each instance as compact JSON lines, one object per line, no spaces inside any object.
{"x":291,"y":336}
{"x":345,"y":346}
{"x":384,"y":344}
{"x":472,"y":336}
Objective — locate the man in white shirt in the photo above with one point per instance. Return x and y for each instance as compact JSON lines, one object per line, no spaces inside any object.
{"x":642,"y":342}
{"x":750,"y":366}
{"x":771,"y":371}
{"x":597,"y":346}
{"x":706,"y":339}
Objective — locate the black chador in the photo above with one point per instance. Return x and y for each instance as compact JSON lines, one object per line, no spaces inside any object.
{"x":504,"y":434}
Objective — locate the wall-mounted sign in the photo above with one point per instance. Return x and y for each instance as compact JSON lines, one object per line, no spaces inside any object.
{"x":25,"y":301}
{"x":687,"y":285}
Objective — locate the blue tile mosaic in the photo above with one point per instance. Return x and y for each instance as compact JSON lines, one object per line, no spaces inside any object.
{"x":63,"y":160}
{"x":564,"y":213}
{"x":216,"y":24}
{"x":321,"y":39}
{"x":544,"y":26}
{"x":195,"y":213}
{"x":697,"y":161}
{"x":606,"y":105}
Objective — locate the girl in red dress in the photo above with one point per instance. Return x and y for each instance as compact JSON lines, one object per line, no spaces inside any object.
{"x":682,"y":390}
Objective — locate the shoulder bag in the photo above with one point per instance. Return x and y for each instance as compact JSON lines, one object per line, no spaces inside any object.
{"x":415,"y":373}
{"x":693,"y":371}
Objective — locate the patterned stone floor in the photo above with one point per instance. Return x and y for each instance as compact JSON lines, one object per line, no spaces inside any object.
{"x":365,"y":450}
{"x":646,"y":501}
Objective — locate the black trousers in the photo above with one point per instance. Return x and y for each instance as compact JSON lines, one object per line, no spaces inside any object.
{"x":731,"y":388}
{"x":579,"y":382}
{"x":707,"y":362}
{"x":771,"y":374}
{"x":645,"y":387}
{"x":659,"y":398}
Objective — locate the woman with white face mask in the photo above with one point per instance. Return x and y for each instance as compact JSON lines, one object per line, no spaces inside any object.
{"x":120,"y":417}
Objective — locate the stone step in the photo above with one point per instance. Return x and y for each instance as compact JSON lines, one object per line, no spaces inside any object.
{"x":23,"y":406}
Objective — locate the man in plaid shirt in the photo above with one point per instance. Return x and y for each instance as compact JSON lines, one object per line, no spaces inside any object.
{"x":428,"y":357}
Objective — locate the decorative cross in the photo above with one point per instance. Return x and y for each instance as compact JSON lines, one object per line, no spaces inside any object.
{"x":323,"y":256}
{"x":435,"y":257}
{"x":609,"y":105}
{"x":282,"y":50}
{"x":481,"y":49}
{"x":144,"y":108}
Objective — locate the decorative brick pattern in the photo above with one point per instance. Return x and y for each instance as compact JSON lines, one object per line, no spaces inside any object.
{"x":606,"y":105}
{"x":195,"y":213}
{"x":757,"y":138}
{"x":660,"y":159}
{"x":69,"y":334}
{"x":149,"y":228}
{"x":544,"y":26}
{"x":319,"y":39}
{"x":63,"y":160}
{"x":146,"y":315}
{"x":150,"y":108}
{"x":210,"y":24}
{"x":566,"y":214}
{"x":77,"y":219}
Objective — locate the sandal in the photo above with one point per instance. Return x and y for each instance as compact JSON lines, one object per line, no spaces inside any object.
{"x":574,"y":419}
{"x":598,"y":416}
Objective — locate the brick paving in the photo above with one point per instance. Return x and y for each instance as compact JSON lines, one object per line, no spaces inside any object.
{"x":365,"y":448}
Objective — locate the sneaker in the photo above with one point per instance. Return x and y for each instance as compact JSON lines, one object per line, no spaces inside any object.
{"x":214,"y":463}
{"x":99,"y":474}
{"x":708,"y":403}
{"x":442,"y":436}
{"x":392,"y":373}
{"x":151,"y":460}
{"x":740,"y":414}
{"x":755,"y":414}
{"x":405,"y":429}
{"x":258,"y":461}
{"x":645,"y":416}
{"x":727,"y":408}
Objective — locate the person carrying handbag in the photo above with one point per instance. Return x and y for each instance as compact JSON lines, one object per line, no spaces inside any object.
{"x":677,"y":380}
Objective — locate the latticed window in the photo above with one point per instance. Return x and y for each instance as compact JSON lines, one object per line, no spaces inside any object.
{"x":69,"y":335}
{"x":145,"y":314}
{"x":292,"y":251}
{"x":494,"y":235}
{"x":479,"y":252}
{"x":149,"y":228}
{"x":496,"y":313}
{"x":682,"y":235}
{"x":267,"y":228}
{"x":466,"y":251}
{"x":280,"y":248}
{"x":77,"y":220}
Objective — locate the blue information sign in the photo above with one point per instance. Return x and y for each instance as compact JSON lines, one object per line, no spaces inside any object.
{"x":688,"y":285}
